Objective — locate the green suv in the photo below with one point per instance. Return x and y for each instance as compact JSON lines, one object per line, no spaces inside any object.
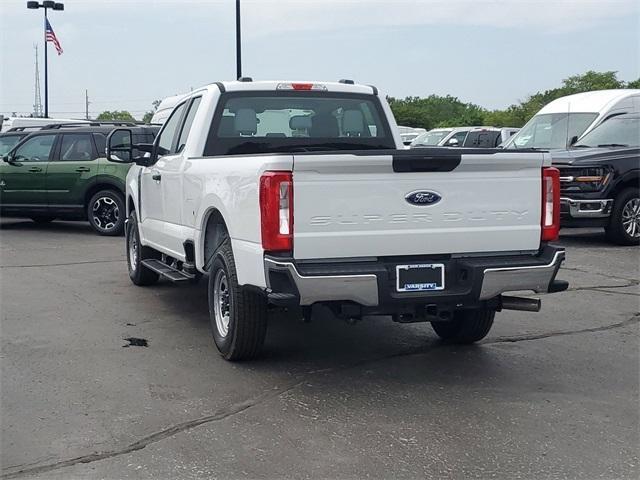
{"x":63,"y":173}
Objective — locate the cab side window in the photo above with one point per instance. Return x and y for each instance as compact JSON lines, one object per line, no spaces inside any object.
{"x":35,"y":149}
{"x":77,"y":147}
{"x":168,"y":134}
{"x":188,"y":121}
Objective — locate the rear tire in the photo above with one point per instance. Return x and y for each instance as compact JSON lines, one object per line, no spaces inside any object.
{"x":624,"y":225}
{"x":238,"y":315}
{"x":42,"y":220}
{"x":138,"y":273}
{"x":467,"y":326}
{"x":105,"y":212}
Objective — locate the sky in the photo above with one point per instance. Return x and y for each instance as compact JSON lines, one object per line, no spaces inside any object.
{"x":128,"y":53}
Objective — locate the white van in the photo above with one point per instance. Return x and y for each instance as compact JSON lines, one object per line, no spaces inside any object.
{"x":31,"y":122}
{"x":560,"y":123}
{"x":165,"y":108}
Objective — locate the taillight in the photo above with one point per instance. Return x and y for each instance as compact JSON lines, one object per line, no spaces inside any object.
{"x":550,"y":220}
{"x":276,"y":211}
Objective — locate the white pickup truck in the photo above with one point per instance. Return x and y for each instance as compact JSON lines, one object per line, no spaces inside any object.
{"x":292,"y":194}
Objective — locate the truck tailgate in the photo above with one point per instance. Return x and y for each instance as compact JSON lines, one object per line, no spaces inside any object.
{"x":361,"y":204}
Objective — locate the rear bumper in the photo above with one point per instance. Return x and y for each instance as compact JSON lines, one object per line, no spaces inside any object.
{"x":469,"y":281}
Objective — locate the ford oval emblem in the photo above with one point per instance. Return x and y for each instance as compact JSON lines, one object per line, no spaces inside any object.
{"x":422,"y":198}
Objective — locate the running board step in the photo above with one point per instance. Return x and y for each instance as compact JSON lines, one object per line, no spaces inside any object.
{"x":167,"y":271}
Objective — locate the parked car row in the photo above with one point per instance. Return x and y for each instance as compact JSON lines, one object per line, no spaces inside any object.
{"x":599,"y":183}
{"x":60,"y":171}
{"x":470,"y":137}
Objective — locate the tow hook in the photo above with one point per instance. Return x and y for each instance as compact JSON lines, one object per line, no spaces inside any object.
{"x":520,"y":303}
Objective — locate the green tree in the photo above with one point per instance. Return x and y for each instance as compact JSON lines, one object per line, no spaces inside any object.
{"x":435,"y":111}
{"x":634,"y":83}
{"x":592,"y":80}
{"x":149,"y":115}
{"x":115,"y":115}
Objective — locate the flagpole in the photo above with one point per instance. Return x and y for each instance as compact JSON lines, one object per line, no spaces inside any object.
{"x":46,"y":4}
{"x":46,"y":68}
{"x":238,"y":42}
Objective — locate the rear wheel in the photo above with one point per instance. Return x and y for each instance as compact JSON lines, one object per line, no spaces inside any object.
{"x":624,"y":225}
{"x":467,"y":326}
{"x":238,"y":315}
{"x":138,"y":273}
{"x":43,"y":219}
{"x":105,"y":212}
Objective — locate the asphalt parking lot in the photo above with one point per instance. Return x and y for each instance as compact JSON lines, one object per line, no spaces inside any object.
{"x":548,"y":395}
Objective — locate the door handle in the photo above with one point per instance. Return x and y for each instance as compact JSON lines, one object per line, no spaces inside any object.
{"x":157,"y":177}
{"x":35,"y":169}
{"x":83,"y":169}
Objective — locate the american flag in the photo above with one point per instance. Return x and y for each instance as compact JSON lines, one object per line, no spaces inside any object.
{"x":50,"y":36}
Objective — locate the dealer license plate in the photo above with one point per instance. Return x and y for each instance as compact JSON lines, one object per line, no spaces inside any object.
{"x":422,"y":277}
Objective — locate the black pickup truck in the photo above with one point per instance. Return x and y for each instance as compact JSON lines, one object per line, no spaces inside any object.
{"x":600,"y":180}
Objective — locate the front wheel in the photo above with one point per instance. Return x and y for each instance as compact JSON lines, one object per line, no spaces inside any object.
{"x":138,"y":273}
{"x":238,"y":315}
{"x":467,"y":326}
{"x":624,"y":225}
{"x":105,"y":212}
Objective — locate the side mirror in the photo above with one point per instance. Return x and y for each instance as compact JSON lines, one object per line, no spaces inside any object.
{"x":8,"y":158}
{"x":120,"y":146}
{"x":573,"y":140}
{"x":453,"y":142}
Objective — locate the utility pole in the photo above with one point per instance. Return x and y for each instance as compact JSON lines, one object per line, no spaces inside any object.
{"x":37,"y":100}
{"x":238,"y":42}
{"x":86,"y":104}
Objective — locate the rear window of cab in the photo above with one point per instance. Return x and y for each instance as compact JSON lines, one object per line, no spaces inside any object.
{"x":286,"y":122}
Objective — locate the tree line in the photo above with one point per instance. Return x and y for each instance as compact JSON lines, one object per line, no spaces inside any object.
{"x":447,"y":111}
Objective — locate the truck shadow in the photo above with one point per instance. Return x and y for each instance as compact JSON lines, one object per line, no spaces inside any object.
{"x":362,"y":363}
{"x":326,"y":342}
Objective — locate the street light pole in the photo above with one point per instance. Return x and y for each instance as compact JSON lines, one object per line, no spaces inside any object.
{"x":238,"y":42}
{"x":46,"y":67}
{"x":47,"y":4}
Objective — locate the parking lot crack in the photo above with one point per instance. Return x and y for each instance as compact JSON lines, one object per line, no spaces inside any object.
{"x":220,"y":415}
{"x":608,"y":290}
{"x":537,"y":336}
{"x":598,"y":288}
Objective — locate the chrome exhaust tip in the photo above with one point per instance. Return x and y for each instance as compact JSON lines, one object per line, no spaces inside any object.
{"x":520,"y":303}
